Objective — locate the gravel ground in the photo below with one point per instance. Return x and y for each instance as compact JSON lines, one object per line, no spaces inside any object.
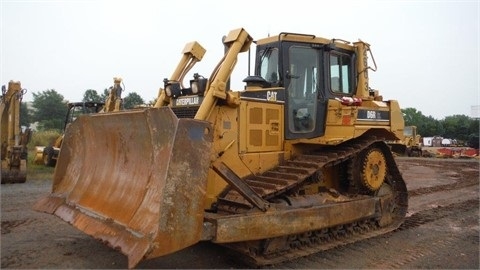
{"x":441,"y":231}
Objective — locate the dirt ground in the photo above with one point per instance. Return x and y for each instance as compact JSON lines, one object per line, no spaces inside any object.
{"x":441,"y":230}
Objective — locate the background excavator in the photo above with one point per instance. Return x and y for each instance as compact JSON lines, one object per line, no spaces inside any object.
{"x":293,"y":164}
{"x":48,"y":155}
{"x":14,"y":141}
{"x":114,"y":100}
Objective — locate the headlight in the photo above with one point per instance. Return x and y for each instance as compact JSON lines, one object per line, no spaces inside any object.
{"x":198,"y":84}
{"x":172,"y":89}
{"x":168,"y":91}
{"x":194,"y":87}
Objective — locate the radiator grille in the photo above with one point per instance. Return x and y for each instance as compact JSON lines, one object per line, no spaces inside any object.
{"x":185,"y":112}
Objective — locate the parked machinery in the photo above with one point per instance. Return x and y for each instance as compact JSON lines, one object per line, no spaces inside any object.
{"x":293,"y":164}
{"x":114,"y":100}
{"x":409,"y":145}
{"x":48,"y":155}
{"x":14,"y":140}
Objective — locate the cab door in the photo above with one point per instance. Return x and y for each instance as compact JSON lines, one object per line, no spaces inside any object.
{"x":305,"y":103}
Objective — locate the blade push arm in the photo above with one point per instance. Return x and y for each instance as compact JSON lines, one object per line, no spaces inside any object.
{"x":192,"y":53}
{"x":237,"y":41}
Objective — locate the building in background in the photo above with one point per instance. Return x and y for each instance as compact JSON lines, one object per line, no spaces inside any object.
{"x":475,"y":111}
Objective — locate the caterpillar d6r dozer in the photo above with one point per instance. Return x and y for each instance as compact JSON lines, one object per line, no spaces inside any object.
{"x":293,"y":164}
{"x":13,"y":139}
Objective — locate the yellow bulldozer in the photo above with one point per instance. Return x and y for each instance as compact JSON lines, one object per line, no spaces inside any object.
{"x":409,"y":145}
{"x":294,"y":163}
{"x":14,"y":140}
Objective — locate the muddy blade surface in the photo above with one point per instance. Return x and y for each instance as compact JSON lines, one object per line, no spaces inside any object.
{"x":136,"y":180}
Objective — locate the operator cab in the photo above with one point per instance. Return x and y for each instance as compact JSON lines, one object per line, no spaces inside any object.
{"x":308,"y":71}
{"x":76,"y":109}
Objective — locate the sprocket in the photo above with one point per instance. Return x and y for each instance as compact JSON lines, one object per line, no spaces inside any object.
{"x":373,"y":169}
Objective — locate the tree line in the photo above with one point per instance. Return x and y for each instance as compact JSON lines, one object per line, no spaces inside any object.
{"x":460,"y":127}
{"x":49,"y":108}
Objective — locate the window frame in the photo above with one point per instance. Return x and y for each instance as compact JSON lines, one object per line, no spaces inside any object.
{"x":351,"y":80}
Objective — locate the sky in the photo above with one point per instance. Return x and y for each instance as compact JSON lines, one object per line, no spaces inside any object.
{"x":427,"y":52}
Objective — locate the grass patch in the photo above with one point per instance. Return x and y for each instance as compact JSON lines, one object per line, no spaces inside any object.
{"x":38,"y":171}
{"x":43,"y":138}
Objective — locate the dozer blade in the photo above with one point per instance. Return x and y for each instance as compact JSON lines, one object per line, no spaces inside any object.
{"x":135,"y":180}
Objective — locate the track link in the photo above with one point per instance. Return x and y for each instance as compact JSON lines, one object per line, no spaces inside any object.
{"x":291,"y":175}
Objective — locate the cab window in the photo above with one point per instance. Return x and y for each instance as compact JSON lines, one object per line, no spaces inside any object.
{"x":340,"y":73}
{"x":269,"y":65}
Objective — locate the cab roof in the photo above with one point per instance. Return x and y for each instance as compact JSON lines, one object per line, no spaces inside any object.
{"x":305,"y":38}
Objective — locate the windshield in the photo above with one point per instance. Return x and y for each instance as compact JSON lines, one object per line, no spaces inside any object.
{"x":269,"y":65}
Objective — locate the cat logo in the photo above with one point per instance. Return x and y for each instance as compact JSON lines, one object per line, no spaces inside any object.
{"x":187,"y":101}
{"x":271,"y":96}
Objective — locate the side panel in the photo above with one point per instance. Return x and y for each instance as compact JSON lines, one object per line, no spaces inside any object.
{"x":344,"y":122}
{"x":261,"y":127}
{"x":248,"y":139}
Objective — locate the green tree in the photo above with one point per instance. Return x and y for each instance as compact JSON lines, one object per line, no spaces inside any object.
{"x":24,"y":115}
{"x":459,"y":127}
{"x":49,"y":110}
{"x":456,"y":127}
{"x":430,"y":126}
{"x":473,"y":141}
{"x":412,"y":117}
{"x":474,"y":127}
{"x":131,"y":100}
{"x":91,"y":96}
{"x":426,"y":126}
{"x":105,"y":95}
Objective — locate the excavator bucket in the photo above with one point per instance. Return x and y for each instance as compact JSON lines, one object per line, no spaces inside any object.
{"x":135,"y":180}
{"x":16,"y":173}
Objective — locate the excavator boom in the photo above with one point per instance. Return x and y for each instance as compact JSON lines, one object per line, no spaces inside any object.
{"x":13,"y":139}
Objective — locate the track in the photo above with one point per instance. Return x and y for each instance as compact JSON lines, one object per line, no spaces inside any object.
{"x":440,"y":246}
{"x":411,"y":256}
{"x":293,"y":173}
{"x":286,"y":179}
